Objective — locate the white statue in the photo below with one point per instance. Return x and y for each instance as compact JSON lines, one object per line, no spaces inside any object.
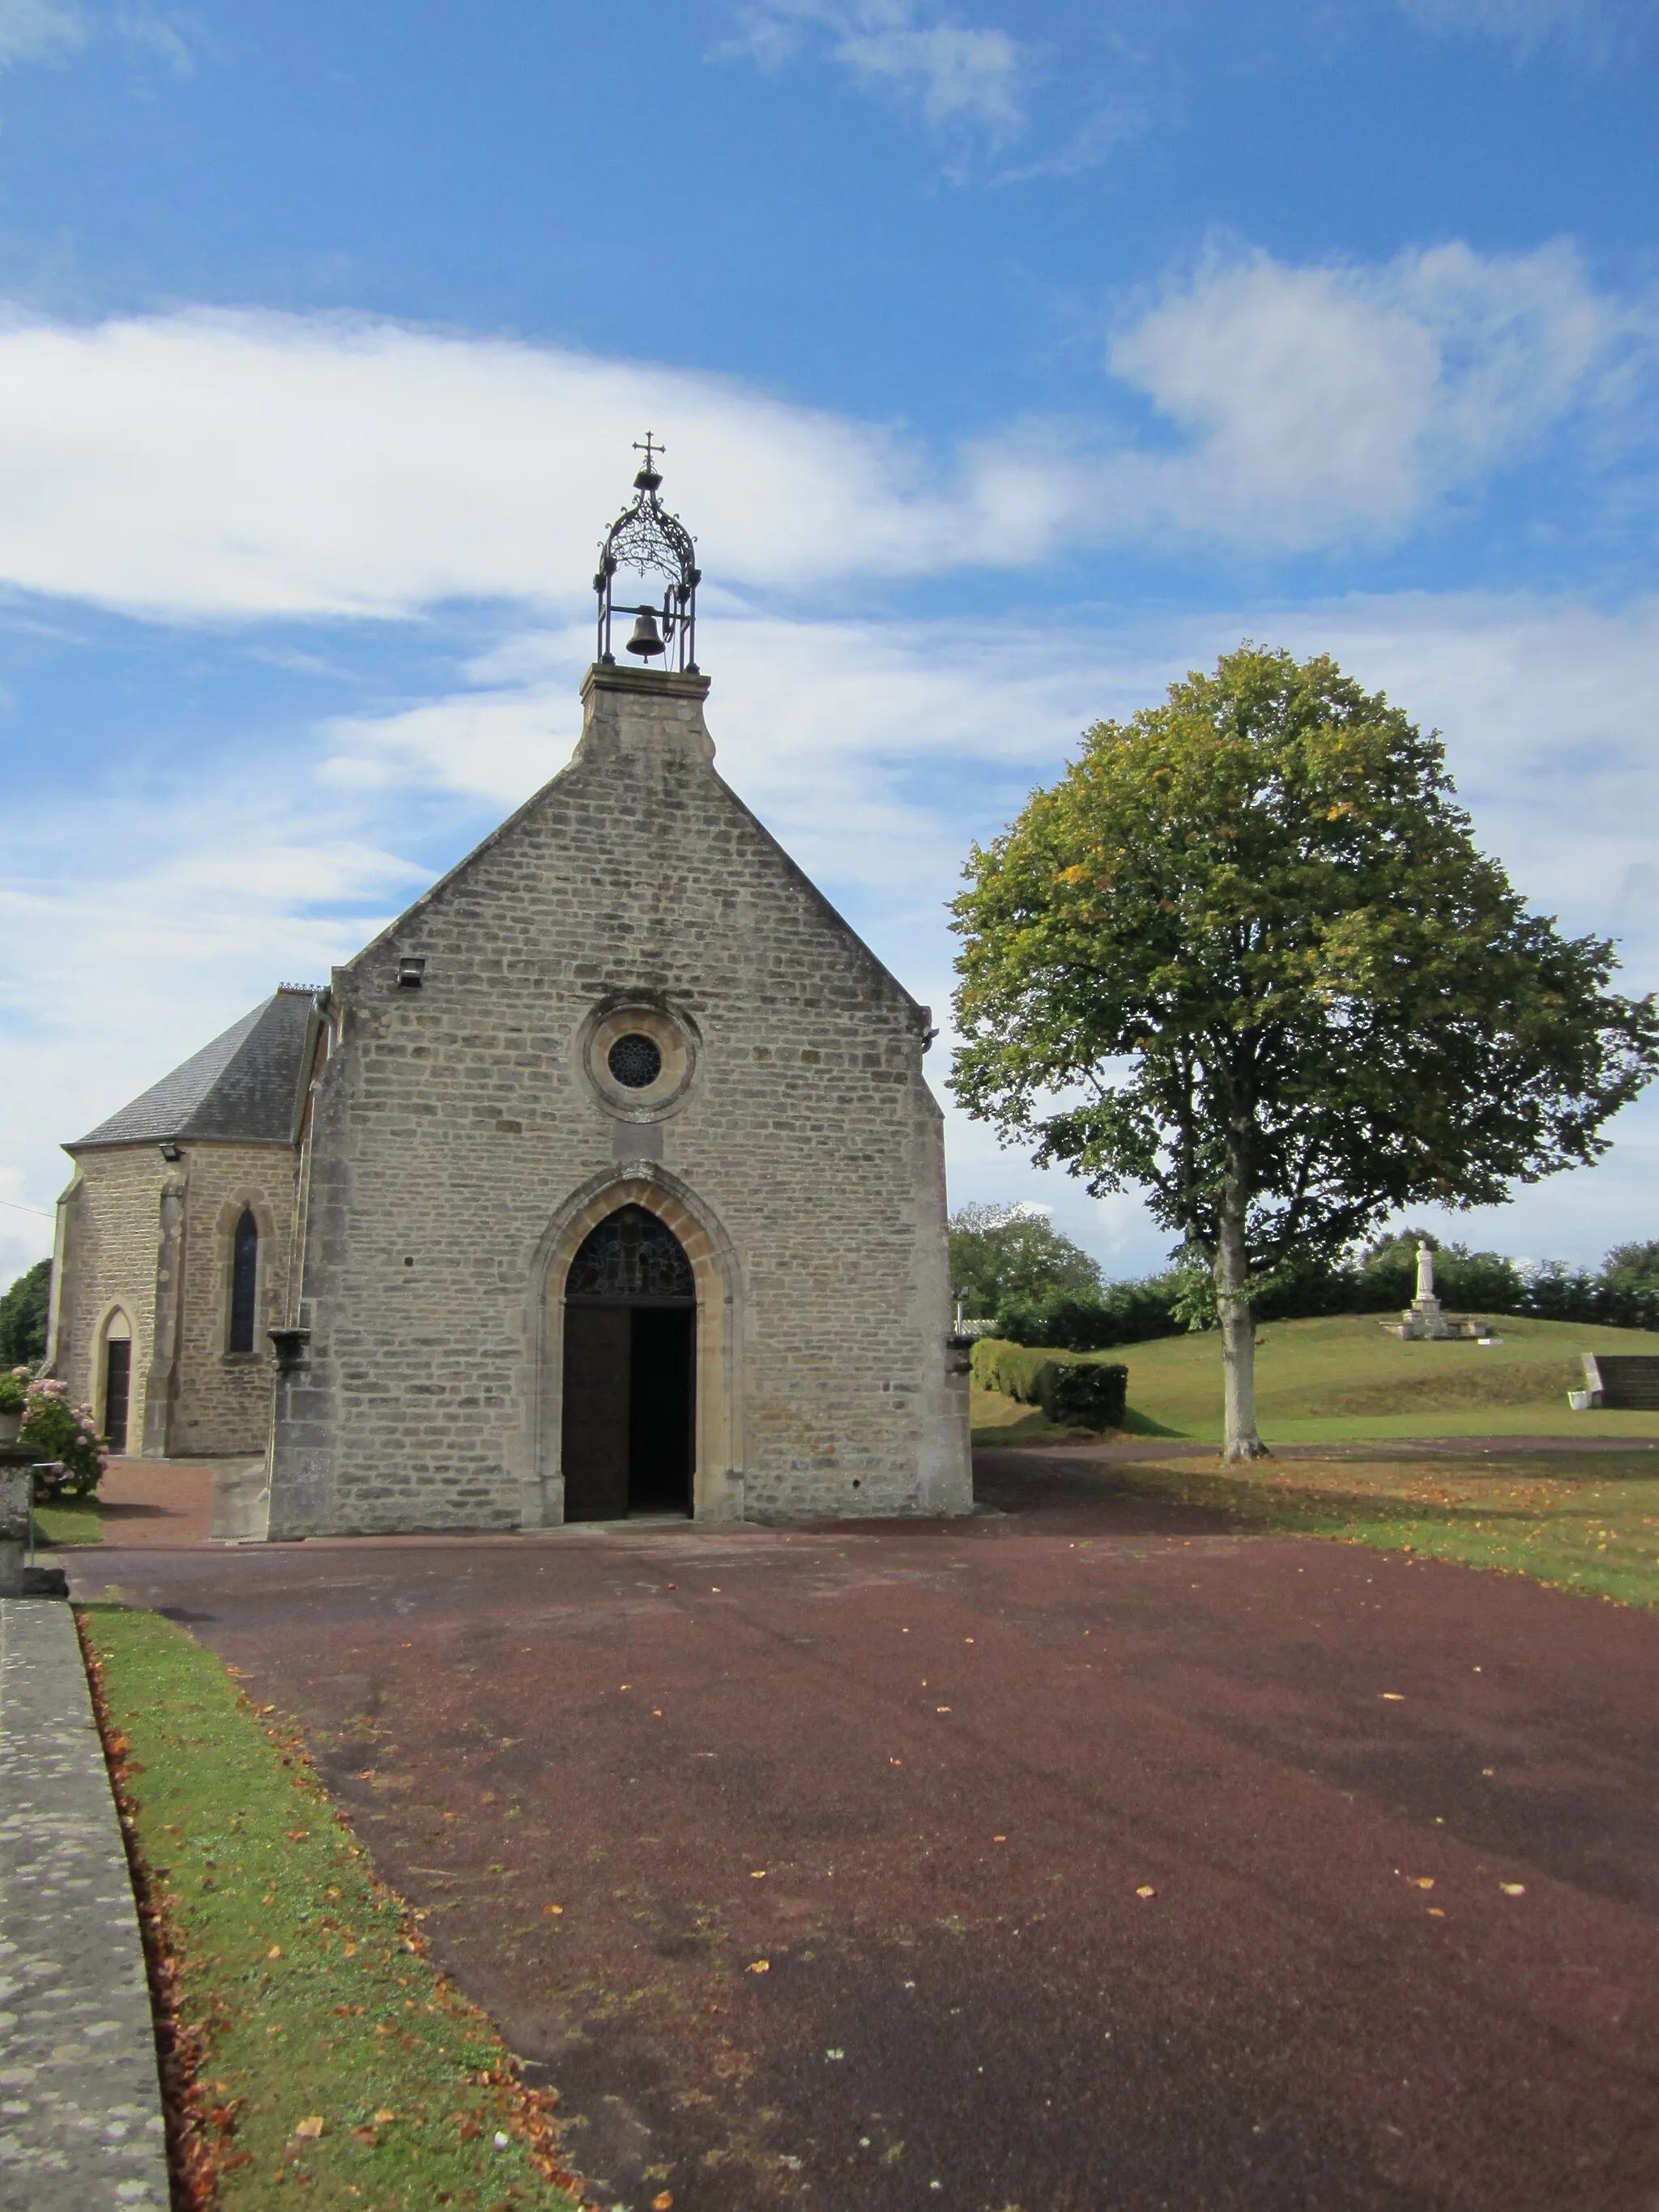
{"x":1424,"y":1271}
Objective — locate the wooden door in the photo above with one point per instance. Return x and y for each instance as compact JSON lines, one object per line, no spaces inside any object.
{"x":595,"y":1439}
{"x":118,"y":1390}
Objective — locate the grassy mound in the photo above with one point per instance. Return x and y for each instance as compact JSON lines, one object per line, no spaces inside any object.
{"x":309,"y":2043}
{"x":1345,"y":1376}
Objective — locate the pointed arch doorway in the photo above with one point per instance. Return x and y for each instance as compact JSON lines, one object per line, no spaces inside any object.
{"x":629,"y":1413}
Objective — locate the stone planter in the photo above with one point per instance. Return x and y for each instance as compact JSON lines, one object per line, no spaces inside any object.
{"x":10,"y":1425}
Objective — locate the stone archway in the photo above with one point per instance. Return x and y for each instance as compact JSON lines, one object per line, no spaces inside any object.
{"x":716,"y":1480}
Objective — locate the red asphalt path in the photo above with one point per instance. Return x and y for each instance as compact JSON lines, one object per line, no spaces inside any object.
{"x":922,"y":1774}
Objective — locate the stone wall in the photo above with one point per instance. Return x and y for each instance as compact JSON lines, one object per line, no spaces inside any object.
{"x":154,"y":1237}
{"x":109,"y":1230}
{"x":465,"y":1131}
{"x":222,"y":1403}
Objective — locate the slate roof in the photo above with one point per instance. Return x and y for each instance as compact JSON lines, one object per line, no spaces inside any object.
{"x":241,"y":1087}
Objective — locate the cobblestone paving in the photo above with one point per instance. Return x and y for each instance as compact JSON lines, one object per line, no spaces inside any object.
{"x":80,"y":2105}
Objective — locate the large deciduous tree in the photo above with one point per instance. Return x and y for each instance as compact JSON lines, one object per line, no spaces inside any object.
{"x":1246,"y":955}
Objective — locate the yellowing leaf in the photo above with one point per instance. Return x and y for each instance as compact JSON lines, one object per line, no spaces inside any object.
{"x":309,"y":2128}
{"x":758,"y":1967}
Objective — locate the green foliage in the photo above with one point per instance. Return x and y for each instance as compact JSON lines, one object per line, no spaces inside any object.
{"x":14,"y":1391}
{"x":1635,"y":1263}
{"x":1086,"y":1393}
{"x":1001,"y":1255}
{"x":23,"y":1317}
{"x":1246,"y":955}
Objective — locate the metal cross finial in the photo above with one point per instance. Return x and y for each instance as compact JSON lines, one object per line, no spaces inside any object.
{"x":648,"y":449}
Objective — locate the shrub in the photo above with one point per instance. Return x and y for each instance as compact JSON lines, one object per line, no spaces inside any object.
{"x":14,"y":1391}
{"x":1089,"y":1393}
{"x":1086,"y":1392}
{"x":65,"y":1438}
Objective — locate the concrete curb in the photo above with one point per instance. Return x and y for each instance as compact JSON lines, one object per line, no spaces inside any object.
{"x":80,"y":2125}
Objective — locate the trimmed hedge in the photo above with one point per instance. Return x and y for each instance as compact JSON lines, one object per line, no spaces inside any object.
{"x":1090,"y":1394}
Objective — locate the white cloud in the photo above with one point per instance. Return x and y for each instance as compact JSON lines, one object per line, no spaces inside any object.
{"x":39,"y":30}
{"x":235,"y":465}
{"x":1325,"y":399}
{"x":954,"y":73}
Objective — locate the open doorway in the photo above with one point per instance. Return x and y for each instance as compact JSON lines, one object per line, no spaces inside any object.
{"x":630,"y":1421}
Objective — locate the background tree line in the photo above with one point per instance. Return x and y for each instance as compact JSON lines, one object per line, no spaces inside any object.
{"x":1016,"y":1270}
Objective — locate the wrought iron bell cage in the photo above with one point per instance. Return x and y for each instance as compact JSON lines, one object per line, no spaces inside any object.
{"x":650,"y":541}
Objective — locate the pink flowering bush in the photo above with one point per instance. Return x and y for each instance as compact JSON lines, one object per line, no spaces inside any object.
{"x":63,"y":1436}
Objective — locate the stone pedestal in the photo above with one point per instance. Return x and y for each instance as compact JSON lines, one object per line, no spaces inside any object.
{"x":16,"y":1495}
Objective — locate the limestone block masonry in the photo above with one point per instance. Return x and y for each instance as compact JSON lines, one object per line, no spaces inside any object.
{"x":463,"y":1136}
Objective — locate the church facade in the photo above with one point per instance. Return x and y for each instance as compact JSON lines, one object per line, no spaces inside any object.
{"x":606,"y":1181}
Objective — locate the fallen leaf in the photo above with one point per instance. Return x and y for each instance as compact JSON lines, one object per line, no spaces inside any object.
{"x":552,"y":1908}
{"x":1145,"y":1890}
{"x":365,"y":2135}
{"x":1513,"y":1888}
{"x":662,"y":2200}
{"x":758,"y":1873}
{"x":1394,"y":1697}
{"x":311,"y":2127}
{"x":383,"y":2117}
{"x":941,"y":1708}
{"x":998,"y":1839}
{"x":1423,"y":1880}
{"x":275,"y":1952}
{"x":1435,"y":1912}
{"x":758,"y":1967}
{"x":298,"y":1835}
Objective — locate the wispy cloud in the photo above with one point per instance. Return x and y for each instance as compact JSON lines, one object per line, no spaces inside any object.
{"x":39,"y":30}
{"x":953,"y":73}
{"x":1597,"y":28}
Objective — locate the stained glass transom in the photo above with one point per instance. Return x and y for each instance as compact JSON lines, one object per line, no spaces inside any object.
{"x":634,"y":1060}
{"x":632,"y":1255}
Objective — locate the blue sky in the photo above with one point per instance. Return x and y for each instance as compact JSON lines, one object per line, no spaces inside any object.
{"x":1010,"y":359}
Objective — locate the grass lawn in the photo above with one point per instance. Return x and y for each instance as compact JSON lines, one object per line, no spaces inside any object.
{"x":1585,"y":1524}
{"x":1344,"y":1378}
{"x":327,"y":2055}
{"x":73,"y":1521}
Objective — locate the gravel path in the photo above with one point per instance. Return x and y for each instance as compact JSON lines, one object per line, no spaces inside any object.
{"x":1086,"y":1856}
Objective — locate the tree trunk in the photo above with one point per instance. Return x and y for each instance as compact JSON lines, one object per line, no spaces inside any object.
{"x":1237,"y":1331}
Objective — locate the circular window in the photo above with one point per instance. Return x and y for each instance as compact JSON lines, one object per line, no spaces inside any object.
{"x":634,"y":1060}
{"x":639,"y":1057}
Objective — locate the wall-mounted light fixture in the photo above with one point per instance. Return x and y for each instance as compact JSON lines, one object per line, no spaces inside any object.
{"x":411,"y":969}
{"x":170,"y":1153}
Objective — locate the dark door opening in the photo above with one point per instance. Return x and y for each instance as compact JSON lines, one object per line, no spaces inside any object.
{"x":629,"y":1372}
{"x":118,"y":1390}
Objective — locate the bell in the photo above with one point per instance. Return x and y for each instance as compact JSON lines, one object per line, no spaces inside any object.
{"x":646,"y":641}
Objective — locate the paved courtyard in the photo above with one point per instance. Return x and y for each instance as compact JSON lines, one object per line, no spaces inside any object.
{"x":1083,"y":1857}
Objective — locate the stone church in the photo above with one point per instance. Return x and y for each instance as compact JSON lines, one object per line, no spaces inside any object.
{"x":606,"y":1181}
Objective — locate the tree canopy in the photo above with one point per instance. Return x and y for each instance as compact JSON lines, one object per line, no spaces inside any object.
{"x":23,"y":1317}
{"x":1246,"y":955}
{"x":1003,"y":1254}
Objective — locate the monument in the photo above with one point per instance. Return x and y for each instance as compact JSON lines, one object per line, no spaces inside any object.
{"x":1425,"y":1320}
